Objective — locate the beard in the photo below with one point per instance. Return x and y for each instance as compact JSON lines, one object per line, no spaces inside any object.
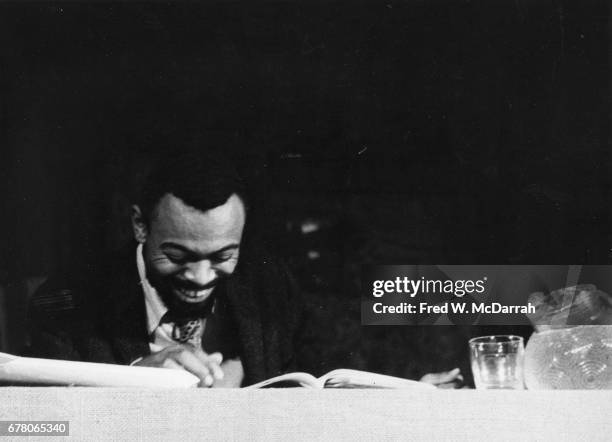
{"x":166,"y":286}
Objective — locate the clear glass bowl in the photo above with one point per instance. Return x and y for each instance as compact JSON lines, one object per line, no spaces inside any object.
{"x":570,"y":358}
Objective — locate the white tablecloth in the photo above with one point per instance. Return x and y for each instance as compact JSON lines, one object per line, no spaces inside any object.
{"x":300,"y":414}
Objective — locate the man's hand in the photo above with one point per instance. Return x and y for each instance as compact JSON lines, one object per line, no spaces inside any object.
{"x":446,"y":379}
{"x":205,"y":366}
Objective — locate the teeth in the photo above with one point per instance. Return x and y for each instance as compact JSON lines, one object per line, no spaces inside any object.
{"x":191,"y":293}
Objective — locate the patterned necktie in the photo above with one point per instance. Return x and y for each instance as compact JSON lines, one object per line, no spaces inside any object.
{"x":186,"y":331}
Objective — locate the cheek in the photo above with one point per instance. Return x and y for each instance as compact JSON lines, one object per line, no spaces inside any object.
{"x":161,"y":266}
{"x":227,"y":268}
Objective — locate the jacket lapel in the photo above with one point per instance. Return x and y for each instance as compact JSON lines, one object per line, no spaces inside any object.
{"x":127,"y":321}
{"x":247,"y":317}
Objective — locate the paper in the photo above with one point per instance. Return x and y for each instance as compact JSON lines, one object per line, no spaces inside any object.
{"x":15,"y":369}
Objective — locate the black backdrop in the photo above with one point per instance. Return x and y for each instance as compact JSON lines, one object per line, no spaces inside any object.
{"x":404,"y":132}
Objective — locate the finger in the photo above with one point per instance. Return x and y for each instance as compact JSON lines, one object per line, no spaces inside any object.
{"x":216,"y":369}
{"x":171,"y":363}
{"x":204,"y":356}
{"x":212,"y":361}
{"x":194,"y":365}
{"x":442,"y":378}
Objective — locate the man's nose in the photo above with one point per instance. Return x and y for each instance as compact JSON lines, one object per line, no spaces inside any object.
{"x":200,"y":272}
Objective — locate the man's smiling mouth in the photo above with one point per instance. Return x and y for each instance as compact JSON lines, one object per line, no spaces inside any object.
{"x":191,"y":295}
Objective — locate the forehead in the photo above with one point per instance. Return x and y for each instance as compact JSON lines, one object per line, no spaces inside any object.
{"x":175,"y":221}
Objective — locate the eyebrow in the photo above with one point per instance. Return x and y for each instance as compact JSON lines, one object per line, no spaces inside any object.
{"x":167,"y":244}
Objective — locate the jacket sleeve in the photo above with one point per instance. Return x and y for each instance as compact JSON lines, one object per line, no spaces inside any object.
{"x":55,"y":321}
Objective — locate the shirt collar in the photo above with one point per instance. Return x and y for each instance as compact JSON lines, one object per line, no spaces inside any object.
{"x":156,"y":308}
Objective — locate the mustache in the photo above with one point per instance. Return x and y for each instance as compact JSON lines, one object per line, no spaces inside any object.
{"x":187,"y":285}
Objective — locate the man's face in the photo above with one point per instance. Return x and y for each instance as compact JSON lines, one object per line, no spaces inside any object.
{"x":187,"y":252}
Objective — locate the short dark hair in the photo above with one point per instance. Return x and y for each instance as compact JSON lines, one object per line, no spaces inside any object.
{"x":201,"y":178}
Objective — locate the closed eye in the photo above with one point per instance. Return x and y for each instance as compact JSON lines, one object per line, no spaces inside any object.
{"x":178,"y":254}
{"x":177,"y":258}
{"x":222,"y":257}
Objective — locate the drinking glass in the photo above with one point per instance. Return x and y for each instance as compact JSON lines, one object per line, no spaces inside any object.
{"x":497,"y":362}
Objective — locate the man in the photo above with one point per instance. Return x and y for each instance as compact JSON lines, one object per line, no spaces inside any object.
{"x":169,"y":300}
{"x":196,"y":291}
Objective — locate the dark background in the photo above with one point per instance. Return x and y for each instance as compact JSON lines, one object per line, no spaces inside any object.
{"x":416,"y":132}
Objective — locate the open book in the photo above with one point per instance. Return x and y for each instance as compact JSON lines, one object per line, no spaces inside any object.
{"x":34,"y":371}
{"x":341,"y":378}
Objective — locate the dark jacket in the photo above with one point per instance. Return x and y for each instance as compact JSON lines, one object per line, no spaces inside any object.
{"x":101,"y":316}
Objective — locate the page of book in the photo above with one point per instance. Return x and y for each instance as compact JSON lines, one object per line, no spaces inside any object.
{"x":290,"y":380}
{"x":346,"y":378}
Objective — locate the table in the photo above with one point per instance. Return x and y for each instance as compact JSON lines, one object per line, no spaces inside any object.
{"x":301,"y":414}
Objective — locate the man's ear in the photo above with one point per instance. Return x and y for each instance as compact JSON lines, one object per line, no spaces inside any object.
{"x":138,"y":225}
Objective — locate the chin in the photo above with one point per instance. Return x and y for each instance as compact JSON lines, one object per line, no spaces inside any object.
{"x":189,"y":309}
{"x":184,"y":302}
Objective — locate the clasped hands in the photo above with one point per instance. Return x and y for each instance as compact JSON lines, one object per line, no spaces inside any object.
{"x":207,"y":367}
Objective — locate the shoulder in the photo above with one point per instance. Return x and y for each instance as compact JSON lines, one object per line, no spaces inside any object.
{"x":264,"y":281}
{"x":260,"y":268}
{"x":82,"y":290}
